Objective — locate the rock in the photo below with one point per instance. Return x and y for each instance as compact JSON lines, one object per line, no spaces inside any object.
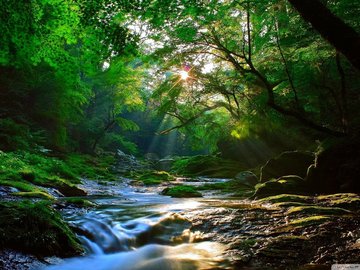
{"x":35,"y":228}
{"x":151,"y":156}
{"x":287,"y":198}
{"x":11,"y":260}
{"x":291,"y":184}
{"x":69,"y":190}
{"x":317,"y":210}
{"x":181,"y":192}
{"x":337,"y":168}
{"x":247,"y":178}
{"x":155,"y":177}
{"x":287,"y":163}
{"x":344,"y":200}
{"x":126,"y":163}
{"x":164,"y":164}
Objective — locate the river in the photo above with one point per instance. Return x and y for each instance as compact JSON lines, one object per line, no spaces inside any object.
{"x":135,"y":228}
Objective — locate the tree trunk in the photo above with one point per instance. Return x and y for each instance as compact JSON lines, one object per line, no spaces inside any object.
{"x":344,"y":38}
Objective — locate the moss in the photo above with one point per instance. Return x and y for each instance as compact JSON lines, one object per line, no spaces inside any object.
{"x":27,"y":174}
{"x":317,"y":210}
{"x":343,"y":200}
{"x":215,"y":186}
{"x":246,"y":244}
{"x":35,"y":168}
{"x":79,"y":201}
{"x":308,"y":221}
{"x":90,"y":167}
{"x":286,"y":185}
{"x":289,"y":204}
{"x":233,"y":186}
{"x":155,"y":177}
{"x":23,"y":186}
{"x":37,"y":229}
{"x":35,"y":194}
{"x":210,"y":166}
{"x":51,"y":171}
{"x":182,"y":191}
{"x":286,"y":198}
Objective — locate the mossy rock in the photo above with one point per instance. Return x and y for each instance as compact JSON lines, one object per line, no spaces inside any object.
{"x":287,"y":163}
{"x":37,"y":229}
{"x":309,"y":221}
{"x":182,"y":191}
{"x":27,"y":175}
{"x":247,"y":178}
{"x":23,"y":186}
{"x":337,"y":166}
{"x":206,"y":165}
{"x":79,"y":201}
{"x":286,"y":198}
{"x":70,"y":190}
{"x":35,"y":194}
{"x":284,"y":247}
{"x":343,"y":200}
{"x":155,"y":177}
{"x":235,"y":187}
{"x":286,"y":185}
{"x":317,"y":210}
{"x":289,"y":204}
{"x":302,"y":223}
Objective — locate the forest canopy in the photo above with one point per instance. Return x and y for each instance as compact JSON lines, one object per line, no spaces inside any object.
{"x":98,"y":75}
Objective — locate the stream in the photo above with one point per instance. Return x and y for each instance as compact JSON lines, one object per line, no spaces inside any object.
{"x":135,"y":228}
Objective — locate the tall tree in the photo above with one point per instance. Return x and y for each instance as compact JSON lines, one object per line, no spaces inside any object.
{"x":343,"y":37}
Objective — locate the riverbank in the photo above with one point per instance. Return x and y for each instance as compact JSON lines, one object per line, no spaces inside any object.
{"x":118,"y":218}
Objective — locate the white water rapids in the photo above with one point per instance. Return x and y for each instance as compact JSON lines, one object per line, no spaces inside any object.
{"x":138,"y":230}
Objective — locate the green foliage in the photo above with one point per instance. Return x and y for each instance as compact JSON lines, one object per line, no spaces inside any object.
{"x":13,"y":136}
{"x":91,"y":167}
{"x":23,"y":169}
{"x":182,"y":191}
{"x":51,"y":62}
{"x":36,"y":229}
{"x":261,"y":55}
{"x":26,"y":187}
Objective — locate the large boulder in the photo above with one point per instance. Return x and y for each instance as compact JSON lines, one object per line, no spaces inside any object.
{"x":337,"y":167}
{"x":164,"y":164}
{"x":287,"y":163}
{"x":247,"y":178}
{"x":35,"y":228}
{"x":70,"y":190}
{"x":291,"y":184}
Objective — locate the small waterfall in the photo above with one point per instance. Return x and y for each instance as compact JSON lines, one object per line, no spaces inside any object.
{"x":139,"y":231}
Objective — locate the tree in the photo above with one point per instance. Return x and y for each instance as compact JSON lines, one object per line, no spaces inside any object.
{"x":343,"y":37}
{"x":264,"y":55}
{"x":51,"y":52}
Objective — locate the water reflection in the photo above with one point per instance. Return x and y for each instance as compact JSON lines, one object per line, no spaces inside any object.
{"x":201,"y":256}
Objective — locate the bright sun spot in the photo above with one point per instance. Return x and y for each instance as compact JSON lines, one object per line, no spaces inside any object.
{"x":184,"y":75}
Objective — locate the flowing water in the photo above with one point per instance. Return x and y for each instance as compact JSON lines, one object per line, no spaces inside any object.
{"x":133,"y":229}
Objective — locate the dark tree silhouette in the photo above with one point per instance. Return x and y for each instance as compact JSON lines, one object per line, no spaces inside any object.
{"x":344,"y":38}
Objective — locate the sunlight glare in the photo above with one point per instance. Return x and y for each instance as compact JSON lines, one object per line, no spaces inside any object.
{"x":184,"y":75}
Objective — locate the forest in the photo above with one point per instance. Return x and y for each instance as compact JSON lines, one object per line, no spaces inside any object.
{"x":179,"y":134}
